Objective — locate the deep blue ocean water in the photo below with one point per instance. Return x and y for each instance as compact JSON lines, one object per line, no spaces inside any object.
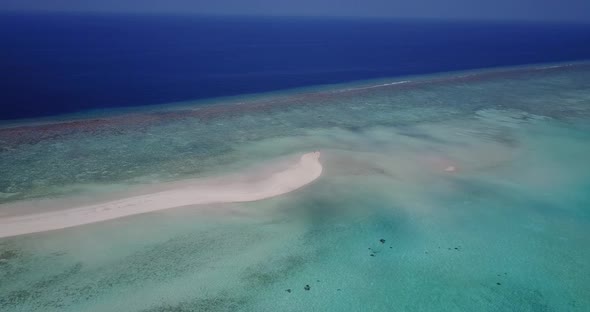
{"x":62,"y":63}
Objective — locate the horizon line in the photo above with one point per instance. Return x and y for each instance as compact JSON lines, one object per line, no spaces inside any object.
{"x":297,"y":16}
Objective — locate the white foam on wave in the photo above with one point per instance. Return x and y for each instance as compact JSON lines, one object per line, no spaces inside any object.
{"x":374,"y":86}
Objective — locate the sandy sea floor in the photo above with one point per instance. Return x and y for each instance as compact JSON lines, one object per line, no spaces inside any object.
{"x":387,"y":227}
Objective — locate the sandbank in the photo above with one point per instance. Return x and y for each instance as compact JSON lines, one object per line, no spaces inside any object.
{"x":195,"y":192}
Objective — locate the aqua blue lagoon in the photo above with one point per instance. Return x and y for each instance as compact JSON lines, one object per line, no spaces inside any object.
{"x":385,"y":228}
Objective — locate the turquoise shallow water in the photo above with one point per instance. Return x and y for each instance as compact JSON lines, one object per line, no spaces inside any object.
{"x":508,"y":231}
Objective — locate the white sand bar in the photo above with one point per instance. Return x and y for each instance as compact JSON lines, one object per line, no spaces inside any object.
{"x":272,"y":184}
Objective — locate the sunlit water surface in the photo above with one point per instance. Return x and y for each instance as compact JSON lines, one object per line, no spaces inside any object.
{"x":507,"y":230}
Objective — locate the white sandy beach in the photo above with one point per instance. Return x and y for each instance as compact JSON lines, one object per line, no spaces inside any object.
{"x":196,"y":192}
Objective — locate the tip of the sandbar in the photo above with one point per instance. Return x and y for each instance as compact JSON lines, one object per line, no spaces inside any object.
{"x":311,"y":156}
